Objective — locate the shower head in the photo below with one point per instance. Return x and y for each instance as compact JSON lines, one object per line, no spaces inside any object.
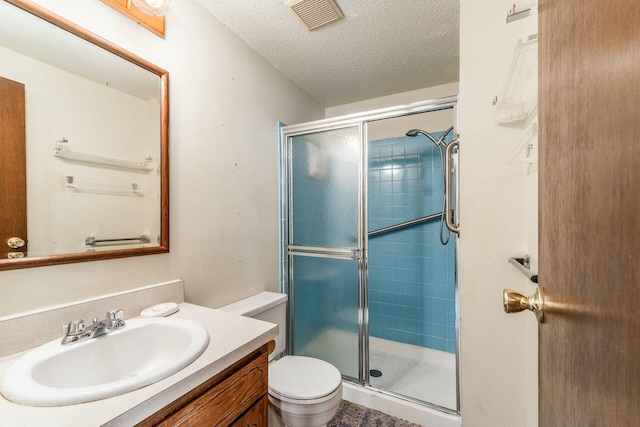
{"x":415,"y":132}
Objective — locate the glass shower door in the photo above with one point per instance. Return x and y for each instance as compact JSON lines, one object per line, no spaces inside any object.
{"x":324,"y":246}
{"x":371,"y":288}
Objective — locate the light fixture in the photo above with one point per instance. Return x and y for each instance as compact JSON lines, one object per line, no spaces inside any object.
{"x":152,"y":7}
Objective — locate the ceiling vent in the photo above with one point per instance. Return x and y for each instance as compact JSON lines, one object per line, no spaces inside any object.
{"x":316,"y":13}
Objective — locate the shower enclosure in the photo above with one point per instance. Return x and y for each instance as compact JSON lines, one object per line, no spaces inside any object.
{"x":366,"y":258}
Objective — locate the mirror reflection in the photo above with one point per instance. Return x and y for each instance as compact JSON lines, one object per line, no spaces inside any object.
{"x":83,"y":135}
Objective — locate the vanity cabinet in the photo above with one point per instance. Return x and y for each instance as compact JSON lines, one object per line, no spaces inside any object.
{"x":236,"y":396}
{"x":255,"y":416}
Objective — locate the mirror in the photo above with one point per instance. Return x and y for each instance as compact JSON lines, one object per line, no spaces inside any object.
{"x":84,"y":136}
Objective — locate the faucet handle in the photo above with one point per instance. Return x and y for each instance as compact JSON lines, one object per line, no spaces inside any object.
{"x":114,"y":314}
{"x":115,"y":318}
{"x":75,"y":327}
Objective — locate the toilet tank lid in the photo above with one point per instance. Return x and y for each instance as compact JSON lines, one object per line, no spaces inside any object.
{"x":255,"y":304}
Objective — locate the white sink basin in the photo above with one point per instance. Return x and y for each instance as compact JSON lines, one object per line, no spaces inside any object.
{"x":145,"y":351}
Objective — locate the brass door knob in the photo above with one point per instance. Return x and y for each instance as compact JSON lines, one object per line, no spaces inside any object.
{"x":514,"y":302}
{"x":14,"y":255}
{"x":15,"y":242}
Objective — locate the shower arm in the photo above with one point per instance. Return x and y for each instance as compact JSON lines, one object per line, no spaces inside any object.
{"x":448,"y":211}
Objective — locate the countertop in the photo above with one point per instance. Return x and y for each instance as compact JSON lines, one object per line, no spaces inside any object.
{"x":231,"y":337}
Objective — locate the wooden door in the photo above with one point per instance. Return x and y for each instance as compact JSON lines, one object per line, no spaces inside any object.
{"x":589,"y":206}
{"x":13,"y":178}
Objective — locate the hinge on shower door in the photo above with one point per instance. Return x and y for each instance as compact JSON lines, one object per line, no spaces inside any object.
{"x":356,"y":254}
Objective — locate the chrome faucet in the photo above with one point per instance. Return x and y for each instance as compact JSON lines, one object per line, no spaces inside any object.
{"x":76,"y":331}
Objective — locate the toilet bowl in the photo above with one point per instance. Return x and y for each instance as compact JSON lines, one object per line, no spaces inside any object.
{"x":303,"y":391}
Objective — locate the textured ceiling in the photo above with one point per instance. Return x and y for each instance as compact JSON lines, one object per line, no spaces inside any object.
{"x":380,"y":47}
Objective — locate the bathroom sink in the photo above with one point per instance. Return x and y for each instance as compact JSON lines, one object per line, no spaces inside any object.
{"x":143,"y":352}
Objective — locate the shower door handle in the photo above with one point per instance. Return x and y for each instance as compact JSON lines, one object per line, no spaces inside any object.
{"x":448,"y":211}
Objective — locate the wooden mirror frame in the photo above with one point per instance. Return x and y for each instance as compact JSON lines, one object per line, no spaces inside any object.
{"x":41,"y":261}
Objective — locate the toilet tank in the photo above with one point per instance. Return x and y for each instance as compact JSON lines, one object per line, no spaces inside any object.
{"x":268,"y":306}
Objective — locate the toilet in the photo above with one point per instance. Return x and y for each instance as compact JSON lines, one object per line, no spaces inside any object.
{"x":303,"y":391}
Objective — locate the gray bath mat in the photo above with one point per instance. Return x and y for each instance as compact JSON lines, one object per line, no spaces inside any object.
{"x":352,"y":415}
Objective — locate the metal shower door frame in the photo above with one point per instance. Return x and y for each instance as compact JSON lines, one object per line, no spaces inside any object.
{"x":361,"y":120}
{"x":356,"y":253}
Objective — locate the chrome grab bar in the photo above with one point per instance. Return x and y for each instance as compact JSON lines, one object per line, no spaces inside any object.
{"x":323,"y":252}
{"x":92,"y":241}
{"x":448,"y":211}
{"x":405,"y":224}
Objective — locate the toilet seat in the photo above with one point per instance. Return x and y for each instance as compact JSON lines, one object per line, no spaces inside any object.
{"x":303,"y":378}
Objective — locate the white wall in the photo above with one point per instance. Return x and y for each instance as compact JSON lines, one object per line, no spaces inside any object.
{"x":498,"y":221}
{"x":225,"y":102}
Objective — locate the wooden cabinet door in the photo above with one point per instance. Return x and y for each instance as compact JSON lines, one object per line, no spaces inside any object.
{"x":256,"y":416}
{"x":239,"y":393}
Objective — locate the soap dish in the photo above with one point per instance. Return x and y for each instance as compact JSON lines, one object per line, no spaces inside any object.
{"x":160,"y":310}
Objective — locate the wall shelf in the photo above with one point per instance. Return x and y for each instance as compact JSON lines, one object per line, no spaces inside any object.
{"x":520,"y":12}
{"x":65,"y":153}
{"x":519,"y":95}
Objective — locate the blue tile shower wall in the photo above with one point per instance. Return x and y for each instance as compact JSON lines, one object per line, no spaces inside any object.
{"x":411,"y":274}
